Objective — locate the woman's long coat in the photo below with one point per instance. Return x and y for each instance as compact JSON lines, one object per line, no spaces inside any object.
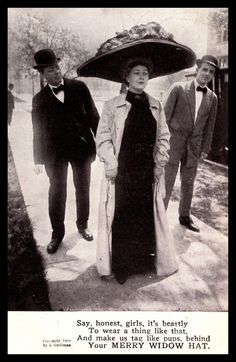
{"x":108,"y":142}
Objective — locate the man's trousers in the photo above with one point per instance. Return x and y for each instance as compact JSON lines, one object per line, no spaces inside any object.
{"x":57,"y":174}
{"x":187,"y":178}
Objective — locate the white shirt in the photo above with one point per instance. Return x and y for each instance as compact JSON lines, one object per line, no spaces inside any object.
{"x":198,"y":98}
{"x":61,"y":94}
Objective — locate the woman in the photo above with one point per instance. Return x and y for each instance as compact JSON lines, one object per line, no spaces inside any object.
{"x":133,"y":142}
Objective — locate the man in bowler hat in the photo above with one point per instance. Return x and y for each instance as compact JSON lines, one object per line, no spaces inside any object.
{"x":190,"y":109}
{"x":65,"y":122}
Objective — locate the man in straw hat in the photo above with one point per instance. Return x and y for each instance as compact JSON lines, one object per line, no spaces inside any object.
{"x":65,"y":122}
{"x":190,"y":109}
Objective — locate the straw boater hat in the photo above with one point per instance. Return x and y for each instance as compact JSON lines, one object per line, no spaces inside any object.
{"x":208,"y":59}
{"x":148,"y":41}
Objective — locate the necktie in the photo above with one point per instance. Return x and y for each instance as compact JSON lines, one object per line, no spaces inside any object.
{"x":201,"y":89}
{"x":56,"y":90}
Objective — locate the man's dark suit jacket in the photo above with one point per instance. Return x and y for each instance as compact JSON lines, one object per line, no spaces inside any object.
{"x":64,"y":130}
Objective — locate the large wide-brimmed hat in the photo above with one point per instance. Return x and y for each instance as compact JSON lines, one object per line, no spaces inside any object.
{"x":148,"y":41}
{"x":208,"y":59}
{"x":45,"y":58}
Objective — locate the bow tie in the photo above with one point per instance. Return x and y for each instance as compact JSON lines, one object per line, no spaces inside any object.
{"x":201,"y":89}
{"x":56,"y":90}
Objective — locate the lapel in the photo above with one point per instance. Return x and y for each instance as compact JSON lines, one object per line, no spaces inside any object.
{"x":66,"y":91}
{"x":52,"y":104}
{"x":152,"y":102}
{"x":48,"y":94}
{"x":121,"y":100}
{"x":206,"y":99}
{"x":50,"y":97}
{"x":190,"y":91}
{"x":123,"y":107}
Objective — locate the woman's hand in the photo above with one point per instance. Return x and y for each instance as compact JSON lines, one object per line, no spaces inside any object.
{"x":38,"y":169}
{"x":203,"y":155}
{"x":111,"y":174}
{"x":157,"y":173}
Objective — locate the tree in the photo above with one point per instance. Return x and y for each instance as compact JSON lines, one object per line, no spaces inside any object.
{"x":29,"y":33}
{"x":219,"y":16}
{"x":219,"y":19}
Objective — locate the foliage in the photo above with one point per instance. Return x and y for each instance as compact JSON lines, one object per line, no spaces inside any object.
{"x":219,"y":18}
{"x":27,"y":285}
{"x":29,"y":33}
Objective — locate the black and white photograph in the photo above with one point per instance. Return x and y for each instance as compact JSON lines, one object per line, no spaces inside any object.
{"x":117,"y":180}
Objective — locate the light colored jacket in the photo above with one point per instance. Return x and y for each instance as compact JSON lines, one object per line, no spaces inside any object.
{"x":186,"y":133}
{"x":108,"y":142}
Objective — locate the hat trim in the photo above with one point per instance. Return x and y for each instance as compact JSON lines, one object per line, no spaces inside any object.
{"x":81,"y":70}
{"x":199,"y":61}
{"x":131,"y":44}
{"x":46,"y":65}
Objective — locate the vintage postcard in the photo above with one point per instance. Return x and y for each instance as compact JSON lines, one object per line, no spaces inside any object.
{"x":118,"y":181}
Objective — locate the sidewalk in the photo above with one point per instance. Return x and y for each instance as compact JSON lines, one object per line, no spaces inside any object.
{"x":201,"y":283}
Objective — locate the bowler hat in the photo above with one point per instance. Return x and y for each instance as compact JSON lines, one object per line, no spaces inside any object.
{"x":208,"y":59}
{"x":45,"y":58}
{"x":148,"y":41}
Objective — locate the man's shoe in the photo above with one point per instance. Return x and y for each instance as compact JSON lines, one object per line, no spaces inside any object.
{"x":87,"y":235}
{"x":188,"y":222}
{"x":108,"y":277}
{"x":53,"y":246}
{"x":121,"y":278}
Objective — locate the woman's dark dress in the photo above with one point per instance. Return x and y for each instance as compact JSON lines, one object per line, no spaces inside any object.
{"x":133,"y":237}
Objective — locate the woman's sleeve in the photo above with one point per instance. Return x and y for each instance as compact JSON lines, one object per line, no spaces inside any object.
{"x":104,"y":142}
{"x":162,"y":145}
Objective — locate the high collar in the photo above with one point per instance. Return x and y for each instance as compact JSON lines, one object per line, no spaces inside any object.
{"x":136,"y":97}
{"x":196,"y":84}
{"x":121,"y":100}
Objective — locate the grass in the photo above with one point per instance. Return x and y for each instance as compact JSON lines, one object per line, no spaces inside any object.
{"x":210,"y":198}
{"x":27,"y":284}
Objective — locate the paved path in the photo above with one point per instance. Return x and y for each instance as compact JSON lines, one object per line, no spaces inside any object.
{"x":201,"y":283}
